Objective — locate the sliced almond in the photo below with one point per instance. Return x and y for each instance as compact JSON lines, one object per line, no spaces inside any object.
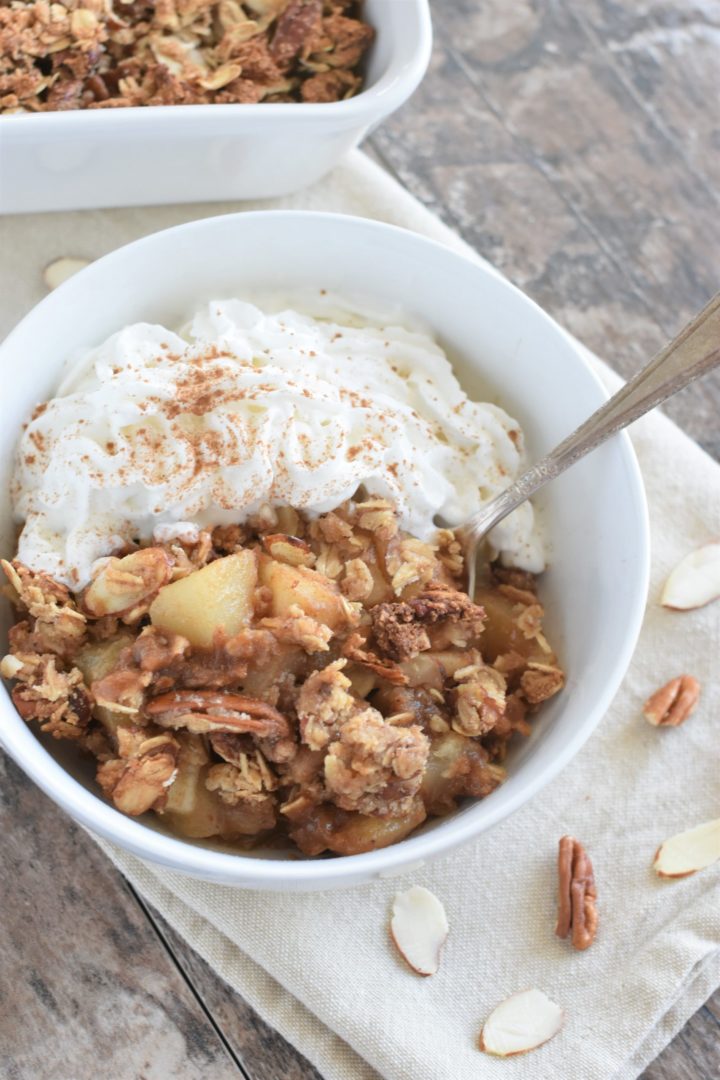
{"x":689,"y":851}
{"x":695,"y":581}
{"x":521,"y":1023}
{"x":56,"y":272}
{"x":419,"y":928}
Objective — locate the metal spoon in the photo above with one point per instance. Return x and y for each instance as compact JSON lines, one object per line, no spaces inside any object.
{"x":694,"y":352}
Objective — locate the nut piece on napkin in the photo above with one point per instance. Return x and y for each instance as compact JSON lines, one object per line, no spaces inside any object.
{"x":61,"y":269}
{"x":577,"y":894}
{"x":689,"y":851}
{"x":695,"y":581}
{"x":521,"y":1023}
{"x":673,"y":703}
{"x":419,"y":928}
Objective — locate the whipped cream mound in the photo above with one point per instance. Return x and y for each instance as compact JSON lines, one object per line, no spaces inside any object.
{"x":153,"y":434}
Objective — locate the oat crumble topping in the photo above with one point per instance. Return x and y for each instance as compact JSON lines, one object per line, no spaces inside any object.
{"x":320,"y":681}
{"x":96,"y":54}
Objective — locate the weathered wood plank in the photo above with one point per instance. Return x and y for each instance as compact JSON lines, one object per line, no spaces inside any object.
{"x":264,"y":1053}
{"x":86,"y":988}
{"x":531,"y":138}
{"x":693,"y":1055}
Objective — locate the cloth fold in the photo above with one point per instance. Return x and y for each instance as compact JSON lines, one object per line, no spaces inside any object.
{"x":319,"y":966}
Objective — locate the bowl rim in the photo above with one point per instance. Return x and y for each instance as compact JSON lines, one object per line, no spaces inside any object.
{"x":89,"y":809}
{"x":396,"y":83}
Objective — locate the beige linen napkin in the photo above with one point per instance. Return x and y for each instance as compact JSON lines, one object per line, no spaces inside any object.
{"x":319,"y":967}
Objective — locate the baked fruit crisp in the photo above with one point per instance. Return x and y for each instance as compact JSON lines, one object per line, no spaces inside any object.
{"x":100,"y":54}
{"x":321,"y":680}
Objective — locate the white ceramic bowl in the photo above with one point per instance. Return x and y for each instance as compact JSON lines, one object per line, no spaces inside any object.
{"x":81,"y":159}
{"x":505,"y":349}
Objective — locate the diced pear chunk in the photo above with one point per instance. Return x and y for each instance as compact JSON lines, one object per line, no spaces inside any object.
{"x":317,"y":595}
{"x":97,"y":659}
{"x":216,"y":600}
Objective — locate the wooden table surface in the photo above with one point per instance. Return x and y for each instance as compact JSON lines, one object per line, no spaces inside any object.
{"x":576,"y":144}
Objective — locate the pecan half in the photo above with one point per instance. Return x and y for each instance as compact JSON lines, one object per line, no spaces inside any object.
{"x":200,"y":712}
{"x":673,"y":703}
{"x":577,"y":894}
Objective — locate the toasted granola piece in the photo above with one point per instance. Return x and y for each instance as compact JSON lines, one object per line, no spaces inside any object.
{"x":450,"y":552}
{"x":410,"y":562}
{"x":400,"y":628}
{"x":517,"y":595}
{"x":154,"y":650}
{"x":510,"y":723}
{"x":123,"y":691}
{"x":348,"y":39}
{"x":299,"y":23}
{"x":333,"y":528}
{"x":413,"y":704}
{"x":440,"y":602}
{"x":231,"y":748}
{"x":96,"y":742}
{"x":259,"y":70}
{"x":529,"y":618}
{"x":138,"y":778}
{"x":297,"y":628}
{"x":511,"y":665}
{"x":330,"y":86}
{"x":479,"y":699}
{"x":541,"y":681}
{"x":323,"y":704}
{"x":248,"y":779}
{"x":252,"y":646}
{"x":228,"y":539}
{"x":510,"y":575}
{"x":397,"y":633}
{"x":189,"y":556}
{"x":201,"y":712}
{"x":288,"y":549}
{"x":358,"y":581}
{"x":305,"y":768}
{"x":58,"y":626}
{"x":377,"y":516}
{"x":373,"y":767}
{"x":354,"y":649}
{"x":234,"y":789}
{"x":127,"y":587}
{"x":59,"y":700}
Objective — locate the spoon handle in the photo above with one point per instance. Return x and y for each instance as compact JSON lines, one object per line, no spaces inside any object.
{"x":694,"y":352}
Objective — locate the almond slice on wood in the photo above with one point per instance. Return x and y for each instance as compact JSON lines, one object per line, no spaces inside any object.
{"x":689,"y":851}
{"x":695,"y":581}
{"x":56,"y":272}
{"x":419,"y":928}
{"x":521,"y":1023}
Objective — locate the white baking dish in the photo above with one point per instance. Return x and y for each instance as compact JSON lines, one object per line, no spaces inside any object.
{"x":203,"y":153}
